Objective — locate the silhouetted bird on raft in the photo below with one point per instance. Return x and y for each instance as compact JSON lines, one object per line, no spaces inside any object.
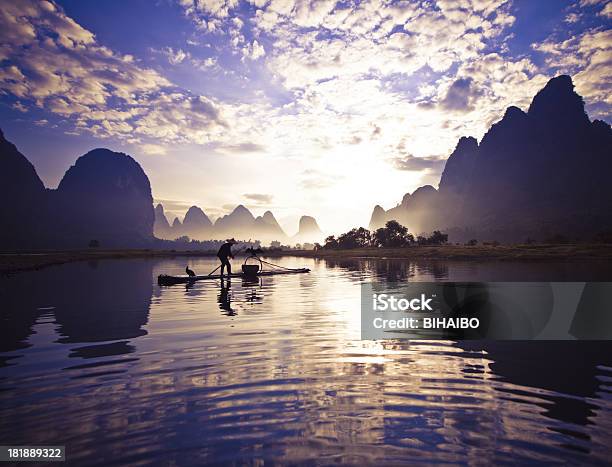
{"x":189,"y":272}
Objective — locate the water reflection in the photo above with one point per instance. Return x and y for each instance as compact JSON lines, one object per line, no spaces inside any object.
{"x":99,"y":358}
{"x":564,"y":369}
{"x":225,"y":299}
{"x":392,"y":270}
{"x":91,"y":302}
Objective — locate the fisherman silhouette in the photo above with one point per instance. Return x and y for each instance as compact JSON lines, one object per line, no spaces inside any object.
{"x":189,"y":272}
{"x":224,"y":253}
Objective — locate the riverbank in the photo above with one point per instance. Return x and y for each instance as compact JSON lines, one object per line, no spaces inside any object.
{"x":11,"y":263}
{"x":533,"y":252}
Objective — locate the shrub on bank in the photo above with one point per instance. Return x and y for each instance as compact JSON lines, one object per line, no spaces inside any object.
{"x":392,"y":235}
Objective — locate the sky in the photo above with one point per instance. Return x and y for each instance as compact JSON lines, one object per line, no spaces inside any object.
{"x":323,"y":108}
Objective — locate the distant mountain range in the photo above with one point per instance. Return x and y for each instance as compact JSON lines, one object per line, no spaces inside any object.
{"x":106,"y":197}
{"x":537,"y":174}
{"x":240,"y":223}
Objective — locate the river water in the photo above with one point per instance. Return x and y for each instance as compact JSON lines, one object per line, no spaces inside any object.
{"x":97,"y":357}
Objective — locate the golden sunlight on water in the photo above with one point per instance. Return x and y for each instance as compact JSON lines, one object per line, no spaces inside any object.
{"x":98,"y":357}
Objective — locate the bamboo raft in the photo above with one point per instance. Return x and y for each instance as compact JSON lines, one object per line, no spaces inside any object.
{"x":165,"y":279}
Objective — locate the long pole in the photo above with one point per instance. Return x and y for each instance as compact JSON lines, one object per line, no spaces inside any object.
{"x":210,"y":273}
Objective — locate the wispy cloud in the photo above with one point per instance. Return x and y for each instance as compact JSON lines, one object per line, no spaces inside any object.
{"x":417,"y":164}
{"x":313,"y":179}
{"x":57,"y":65}
{"x":460,"y":96}
{"x":173,"y":204}
{"x":153,"y":149}
{"x":336,"y":65}
{"x":241,"y":148}
{"x":259,"y":198}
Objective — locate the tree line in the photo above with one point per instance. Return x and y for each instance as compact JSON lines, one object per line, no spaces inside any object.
{"x":392,"y":235}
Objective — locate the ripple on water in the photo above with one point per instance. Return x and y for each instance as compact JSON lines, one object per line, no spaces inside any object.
{"x":275,"y":371}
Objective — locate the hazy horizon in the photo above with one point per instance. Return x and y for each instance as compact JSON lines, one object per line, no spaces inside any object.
{"x":297,"y":108}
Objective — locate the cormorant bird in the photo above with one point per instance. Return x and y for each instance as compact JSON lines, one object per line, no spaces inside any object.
{"x":189,"y":272}
{"x":253,"y":251}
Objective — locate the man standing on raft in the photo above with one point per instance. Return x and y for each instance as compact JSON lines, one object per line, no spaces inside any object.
{"x":224,"y":253}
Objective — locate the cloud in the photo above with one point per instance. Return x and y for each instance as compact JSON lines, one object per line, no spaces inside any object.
{"x":55,"y":64}
{"x":253,"y":51}
{"x":175,"y":56}
{"x":572,"y":18}
{"x":259,"y":198}
{"x":182,"y":57}
{"x":343,"y":66}
{"x":173,"y":204}
{"x":416,"y":164}
{"x":324,"y":38}
{"x":318,"y":80}
{"x":460,"y":96}
{"x":153,"y":149}
{"x":606,"y":11}
{"x":20,"y":107}
{"x":219,"y":8}
{"x":313,"y":179}
{"x":241,"y":148}
{"x":315,"y":184}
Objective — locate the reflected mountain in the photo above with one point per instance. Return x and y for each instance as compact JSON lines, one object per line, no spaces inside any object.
{"x":90,"y":302}
{"x":108,"y":302}
{"x":102,"y":350}
{"x":591,"y":318}
{"x":560,"y":367}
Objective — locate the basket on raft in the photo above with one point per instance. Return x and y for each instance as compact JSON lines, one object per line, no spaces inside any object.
{"x":251,"y":270}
